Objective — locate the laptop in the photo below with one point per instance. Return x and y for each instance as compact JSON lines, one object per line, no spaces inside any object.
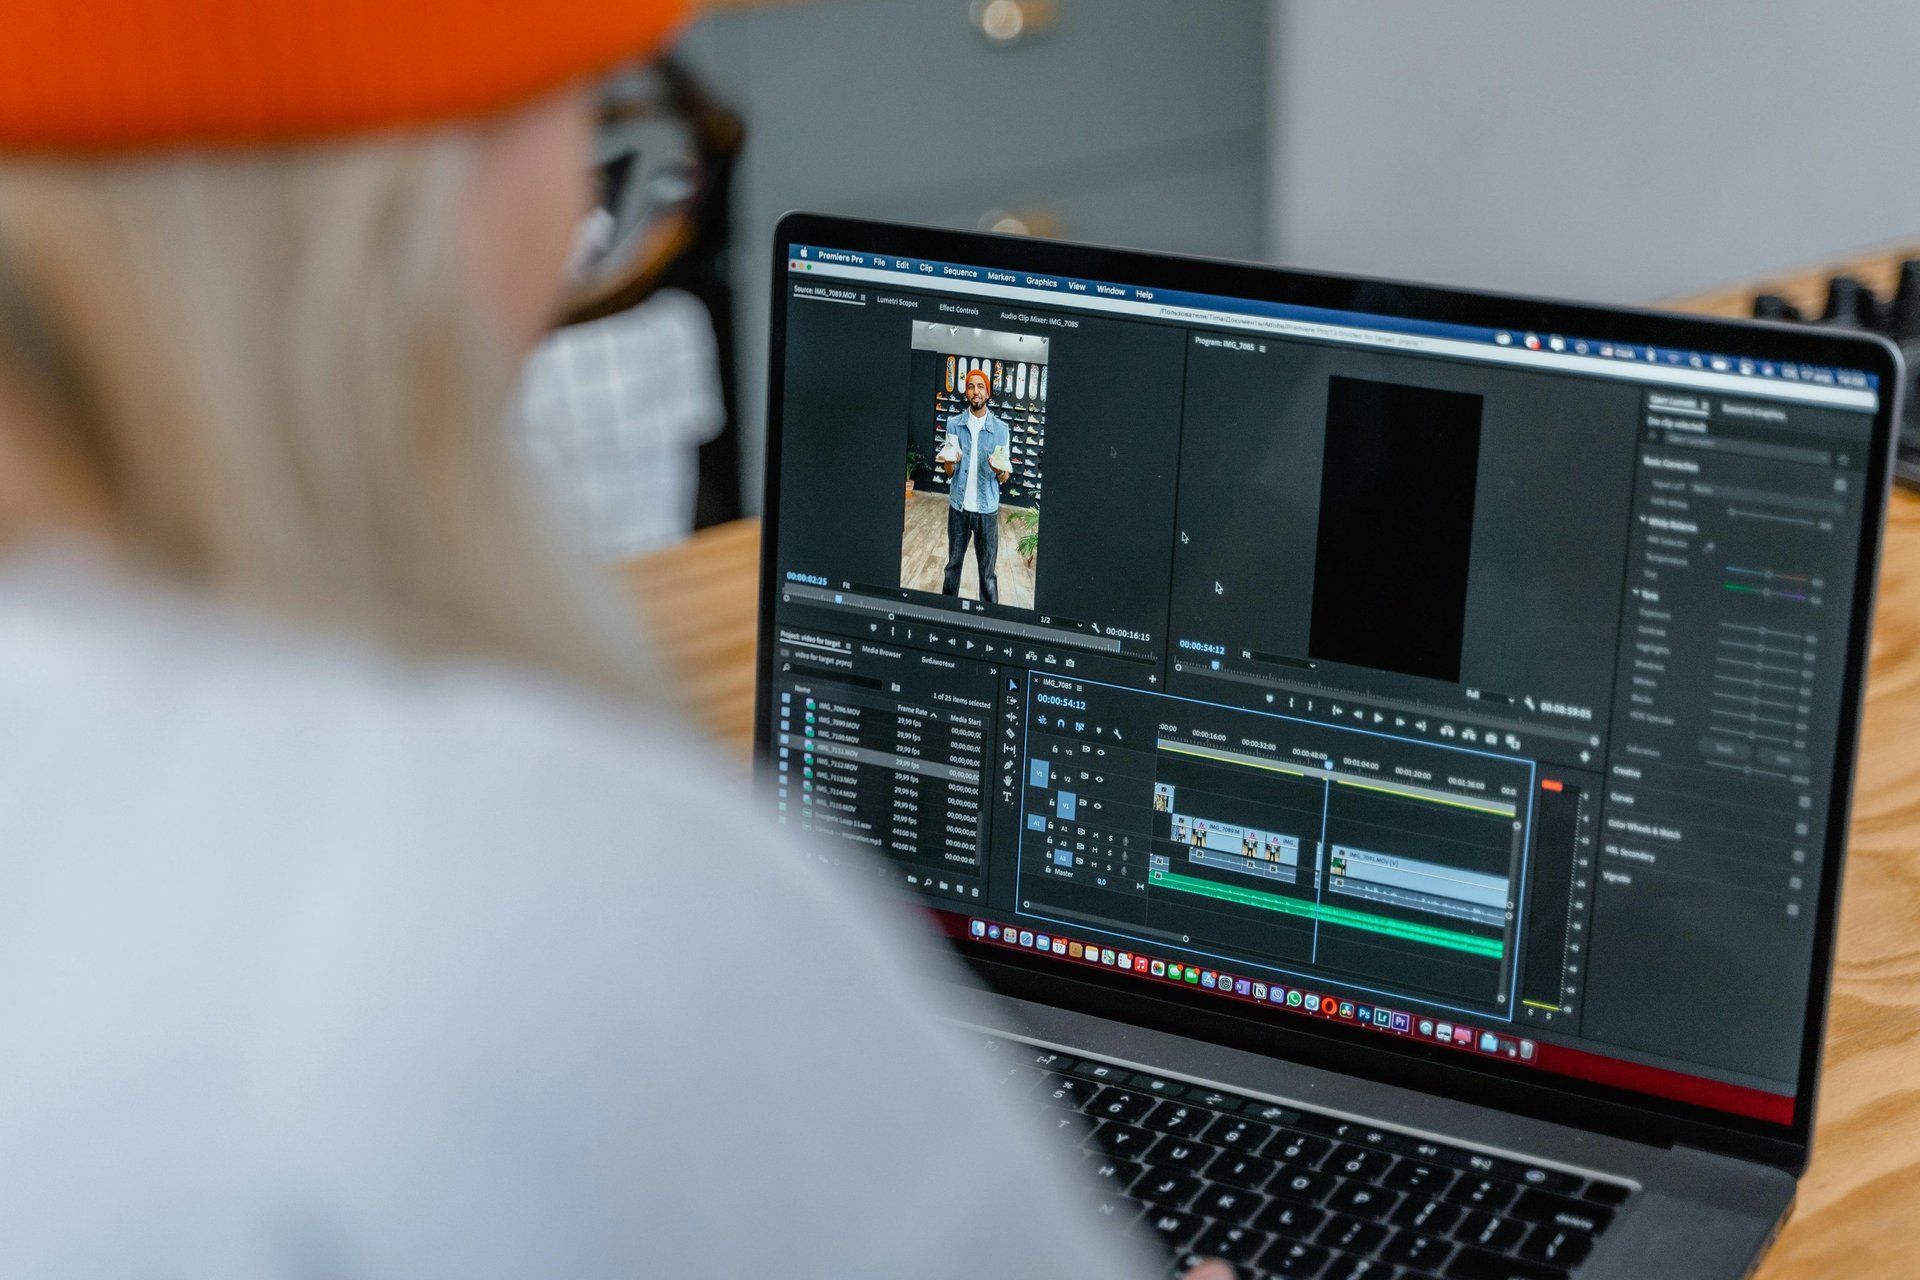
{"x":1385,"y":749}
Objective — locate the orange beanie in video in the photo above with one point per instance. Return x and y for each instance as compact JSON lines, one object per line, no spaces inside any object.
{"x":98,"y":75}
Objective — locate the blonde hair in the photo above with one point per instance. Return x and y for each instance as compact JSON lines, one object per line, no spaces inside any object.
{"x":269,"y":373}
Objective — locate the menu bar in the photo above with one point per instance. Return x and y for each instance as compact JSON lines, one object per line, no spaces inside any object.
{"x":1814,"y":384}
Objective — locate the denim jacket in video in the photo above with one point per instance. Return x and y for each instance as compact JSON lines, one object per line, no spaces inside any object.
{"x":991,"y":435}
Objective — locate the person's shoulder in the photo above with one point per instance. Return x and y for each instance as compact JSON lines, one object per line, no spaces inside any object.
{"x":233,"y":694}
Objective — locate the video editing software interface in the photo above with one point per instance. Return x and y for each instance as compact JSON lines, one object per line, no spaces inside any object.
{"x":1474,"y":686}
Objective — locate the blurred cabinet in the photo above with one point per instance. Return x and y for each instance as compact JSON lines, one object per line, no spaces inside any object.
{"x":1130,"y":122}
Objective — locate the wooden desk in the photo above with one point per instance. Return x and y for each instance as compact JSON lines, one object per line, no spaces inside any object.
{"x":1859,"y":1210}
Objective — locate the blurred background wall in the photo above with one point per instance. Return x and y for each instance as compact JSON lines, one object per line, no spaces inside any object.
{"x":1628,"y":150}
{"x":1133,"y":122}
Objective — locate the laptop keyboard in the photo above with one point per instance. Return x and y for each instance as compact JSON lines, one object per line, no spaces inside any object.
{"x":1279,"y":1191}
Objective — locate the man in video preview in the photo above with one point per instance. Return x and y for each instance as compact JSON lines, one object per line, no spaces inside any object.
{"x":978,"y":458}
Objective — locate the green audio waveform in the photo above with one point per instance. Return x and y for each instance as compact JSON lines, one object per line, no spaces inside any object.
{"x":1330,"y":914}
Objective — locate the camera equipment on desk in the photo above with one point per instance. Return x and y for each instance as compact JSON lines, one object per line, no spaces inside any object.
{"x":1852,"y":305}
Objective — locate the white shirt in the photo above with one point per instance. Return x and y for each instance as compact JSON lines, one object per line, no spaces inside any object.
{"x":317,"y":964}
{"x":975,"y":421}
{"x":614,"y":412}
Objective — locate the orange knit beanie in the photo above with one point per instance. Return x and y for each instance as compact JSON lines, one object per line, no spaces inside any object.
{"x":95,"y":75}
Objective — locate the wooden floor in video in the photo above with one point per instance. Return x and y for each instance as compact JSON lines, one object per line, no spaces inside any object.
{"x":923,"y":553}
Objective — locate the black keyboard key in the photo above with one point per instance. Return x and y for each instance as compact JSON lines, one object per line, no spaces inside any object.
{"x":1354,"y":1235}
{"x":1117,"y":1211}
{"x":1294,"y":1258}
{"x":1486,"y":1165}
{"x":1215,"y":1099}
{"x":1298,"y":1149}
{"x":1100,"y":1072}
{"x":1303,"y":1185}
{"x":1125,"y":1140}
{"x":1490,"y":1194}
{"x":1369,"y":1138}
{"x":1357,"y":1132}
{"x":1557,"y":1245}
{"x":1047,"y":1059}
{"x":1069,"y":1127}
{"x":1314,"y":1122}
{"x":1180,"y":1118}
{"x":1289,"y":1218}
{"x":1561,"y":1184}
{"x":1155,"y":1085}
{"x":1238,"y":1133}
{"x":1167,"y":1189}
{"x":1234,"y":1243}
{"x":1241,"y":1170}
{"x":1578,"y":1215}
{"x":1362,"y":1201}
{"x":1418,"y":1177}
{"x":1017,"y":1076}
{"x":1173,"y":1229}
{"x":1347,"y":1267}
{"x":1229,"y":1204}
{"x":1417,"y":1249}
{"x":1432,"y":1216}
{"x":1478,"y":1264}
{"x":1182,"y":1154}
{"x":1354,"y":1162}
{"x":1606,"y":1193}
{"x":1116,"y":1175}
{"x":1271,"y":1113}
{"x":1064,"y":1091}
{"x":1119,"y":1104}
{"x":1489,"y":1231}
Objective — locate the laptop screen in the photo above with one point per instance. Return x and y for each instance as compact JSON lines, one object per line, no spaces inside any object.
{"x":1470,"y":685}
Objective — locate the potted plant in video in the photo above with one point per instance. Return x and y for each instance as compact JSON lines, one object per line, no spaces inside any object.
{"x":1029,"y":521}
{"x":913,"y":465}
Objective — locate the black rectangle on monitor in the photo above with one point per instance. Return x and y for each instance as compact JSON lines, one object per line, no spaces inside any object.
{"x":1396,"y":527}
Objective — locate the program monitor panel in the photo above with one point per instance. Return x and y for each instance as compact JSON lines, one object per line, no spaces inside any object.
{"x":1474,"y":685}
